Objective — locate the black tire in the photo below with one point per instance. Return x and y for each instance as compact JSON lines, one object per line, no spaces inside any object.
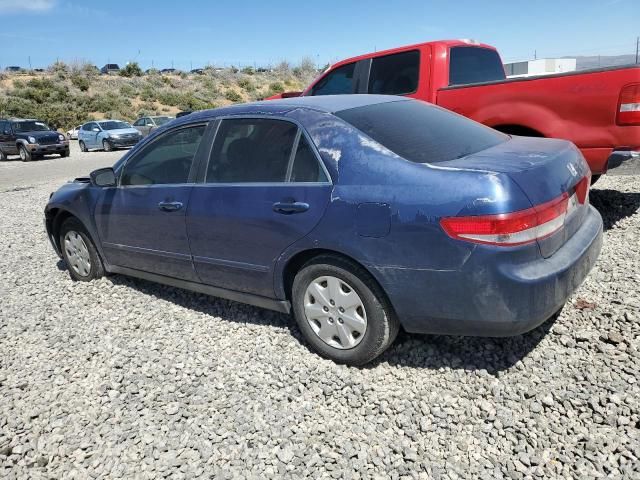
{"x":25,"y":155}
{"x":64,"y":154}
{"x":96,"y":269}
{"x":595,"y":178}
{"x":382,"y":324}
{"x":3,"y":156}
{"x":106,"y":146}
{"x":83,"y":147}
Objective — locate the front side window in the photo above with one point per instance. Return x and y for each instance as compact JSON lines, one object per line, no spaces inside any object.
{"x":139,"y":122}
{"x":474,"y":65}
{"x":166,"y":161}
{"x":395,"y":74}
{"x":250,"y":150}
{"x":336,"y":82}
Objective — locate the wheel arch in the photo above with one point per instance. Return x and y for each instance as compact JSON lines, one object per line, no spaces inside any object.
{"x":297,"y":261}
{"x":515,"y":129}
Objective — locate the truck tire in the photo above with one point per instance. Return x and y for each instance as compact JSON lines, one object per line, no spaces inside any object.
{"x":25,"y":155}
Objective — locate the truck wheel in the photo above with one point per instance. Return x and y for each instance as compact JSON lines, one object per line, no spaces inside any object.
{"x":25,"y":155}
{"x":106,"y":146}
{"x":83,"y":147}
{"x":79,"y":252}
{"x":64,"y":154}
{"x":341,"y":310}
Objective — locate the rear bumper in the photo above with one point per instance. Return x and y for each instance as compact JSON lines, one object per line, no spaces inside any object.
{"x":490,"y":295}
{"x":624,"y":162}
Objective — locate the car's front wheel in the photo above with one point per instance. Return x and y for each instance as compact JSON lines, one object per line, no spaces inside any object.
{"x":342,"y":311}
{"x":25,"y":155}
{"x":79,"y":252}
{"x":106,"y":146}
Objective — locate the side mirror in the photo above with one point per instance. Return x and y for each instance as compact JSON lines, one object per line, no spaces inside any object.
{"x":95,"y":129}
{"x":103,"y":177}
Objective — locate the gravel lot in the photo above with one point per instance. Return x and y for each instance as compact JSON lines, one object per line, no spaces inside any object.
{"x":122,"y":378}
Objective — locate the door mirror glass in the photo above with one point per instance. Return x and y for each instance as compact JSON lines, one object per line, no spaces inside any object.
{"x":103,"y":177}
{"x":95,"y":129}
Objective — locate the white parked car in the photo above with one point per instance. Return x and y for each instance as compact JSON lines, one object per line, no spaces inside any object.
{"x":73,"y":133}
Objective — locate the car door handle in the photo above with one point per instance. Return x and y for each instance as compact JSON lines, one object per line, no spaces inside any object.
{"x":287,"y":208}
{"x":170,"y":206}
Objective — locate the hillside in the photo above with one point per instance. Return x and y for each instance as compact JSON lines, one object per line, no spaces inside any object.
{"x":65,"y":96}
{"x":595,"y":61}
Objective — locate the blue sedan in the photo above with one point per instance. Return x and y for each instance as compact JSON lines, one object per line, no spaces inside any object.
{"x":358,"y":214}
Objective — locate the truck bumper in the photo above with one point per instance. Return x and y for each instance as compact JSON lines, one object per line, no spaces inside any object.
{"x":491,"y":295}
{"x":624,"y":162}
{"x":37,"y":149}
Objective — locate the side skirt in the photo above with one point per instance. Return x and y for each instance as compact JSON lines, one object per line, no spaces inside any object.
{"x":282,"y":306}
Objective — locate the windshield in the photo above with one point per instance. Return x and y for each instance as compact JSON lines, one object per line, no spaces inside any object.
{"x":114,"y":125}
{"x":420,"y":132}
{"x":31,"y":126}
{"x":162,"y":120}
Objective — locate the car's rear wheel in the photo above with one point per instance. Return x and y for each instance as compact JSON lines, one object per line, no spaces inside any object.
{"x":79,"y":252}
{"x":341,"y":310}
{"x":83,"y":147}
{"x":25,"y":155}
{"x":106,"y":146}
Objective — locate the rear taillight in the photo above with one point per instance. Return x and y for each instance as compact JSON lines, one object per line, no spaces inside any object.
{"x":629,"y":105}
{"x":521,"y":227}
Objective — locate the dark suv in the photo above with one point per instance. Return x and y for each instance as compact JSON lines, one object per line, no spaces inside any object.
{"x":30,"y":139}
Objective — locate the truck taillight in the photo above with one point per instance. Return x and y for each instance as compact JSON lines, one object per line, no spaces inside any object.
{"x":629,"y":105}
{"x":521,"y":227}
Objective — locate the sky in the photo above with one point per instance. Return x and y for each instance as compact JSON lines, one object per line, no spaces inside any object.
{"x":188,"y":34}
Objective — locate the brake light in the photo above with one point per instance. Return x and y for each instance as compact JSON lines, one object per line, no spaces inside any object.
{"x":629,"y":105}
{"x":521,"y":227}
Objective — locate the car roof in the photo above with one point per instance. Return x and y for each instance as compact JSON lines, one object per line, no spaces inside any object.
{"x":320,"y":103}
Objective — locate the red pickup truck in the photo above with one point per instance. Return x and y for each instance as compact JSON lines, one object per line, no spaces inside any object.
{"x":598,"y":110}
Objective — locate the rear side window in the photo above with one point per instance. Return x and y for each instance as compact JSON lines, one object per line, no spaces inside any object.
{"x":395,"y":74}
{"x":336,"y":82}
{"x":474,"y":65}
{"x":421,"y":132}
{"x":165,"y":161}
{"x":306,"y":167}
{"x":250,"y":150}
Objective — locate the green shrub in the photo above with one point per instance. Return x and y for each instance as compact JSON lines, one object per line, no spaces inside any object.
{"x":233,"y":96}
{"x":127,"y":90}
{"x":248,"y":70}
{"x":131,"y":69}
{"x":81,"y":82}
{"x":246,"y":84}
{"x":276,"y":87}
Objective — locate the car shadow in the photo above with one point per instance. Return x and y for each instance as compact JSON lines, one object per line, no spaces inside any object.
{"x":433,"y":352}
{"x":409,"y":350}
{"x":614,"y":205}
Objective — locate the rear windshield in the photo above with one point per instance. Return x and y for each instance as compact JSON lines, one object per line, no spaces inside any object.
{"x":474,"y":65}
{"x":420,"y":132}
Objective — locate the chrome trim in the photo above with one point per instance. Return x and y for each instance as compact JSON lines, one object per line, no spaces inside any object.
{"x":231,"y":263}
{"x":148,"y":251}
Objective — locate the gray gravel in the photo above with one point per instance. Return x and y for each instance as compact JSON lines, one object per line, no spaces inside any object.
{"x":122,"y":378}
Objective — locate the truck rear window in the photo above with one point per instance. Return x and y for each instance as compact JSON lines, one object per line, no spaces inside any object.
{"x":474,"y":65}
{"x":421,"y":132}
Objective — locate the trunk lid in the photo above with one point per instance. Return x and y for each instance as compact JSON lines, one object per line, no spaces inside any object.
{"x":545,"y":169}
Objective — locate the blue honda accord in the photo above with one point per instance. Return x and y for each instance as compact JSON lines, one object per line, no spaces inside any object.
{"x":359,"y":214}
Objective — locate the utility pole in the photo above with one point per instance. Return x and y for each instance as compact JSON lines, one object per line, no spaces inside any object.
{"x":535,"y":54}
{"x":30,"y":61}
{"x":637,"y":47}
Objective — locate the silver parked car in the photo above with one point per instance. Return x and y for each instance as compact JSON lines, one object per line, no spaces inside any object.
{"x":145,"y":124}
{"x":107,"y":135}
